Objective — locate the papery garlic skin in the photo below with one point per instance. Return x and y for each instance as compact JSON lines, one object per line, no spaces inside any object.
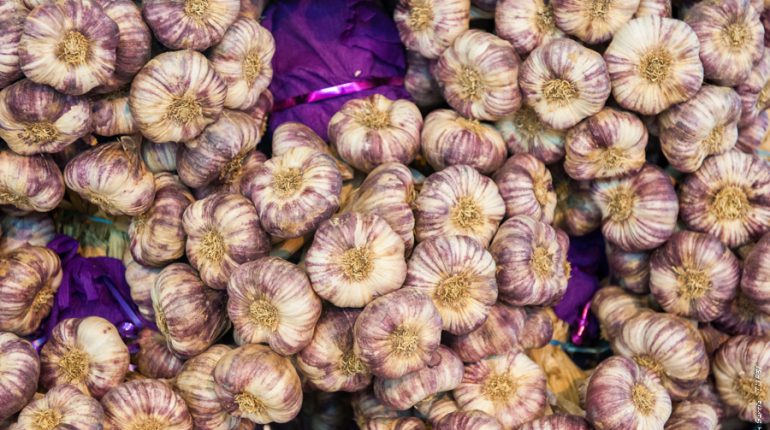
{"x":731,"y":39}
{"x":12,"y":15}
{"x":154,"y":359}
{"x":742,"y":375}
{"x":526,"y":186}
{"x":564,"y":83}
{"x":37,"y":185}
{"x":419,"y":81}
{"x":159,"y":157}
{"x":458,"y":201}
{"x":694,"y":276}
{"x":111,"y":115}
{"x":398,"y":333}
{"x":370,"y":131}
{"x":728,"y":198}
{"x":143,"y":404}
{"x":478,"y":75}
{"x":35,"y":229}
{"x":37,"y":119}
{"x":467,"y":420}
{"x":19,"y":372}
{"x":755,"y":282}
{"x":234,"y":176}
{"x":354,"y":259}
{"x":294,"y":134}
{"x":243,"y":60}
{"x":661,"y":8}
{"x":176,"y":95}
{"x":141,"y":280}
{"x":593,"y":22}
{"x":510,"y":387}
{"x":429,"y":27}
{"x":751,"y":137}
{"x":613,"y":307}
{"x":63,"y":406}
{"x":623,"y":395}
{"x":705,"y":125}
{"x":190,"y":24}
{"x":653,"y":63}
{"x":557,"y":422}
{"x":526,"y":25}
{"x":755,"y":91}
{"x":254,"y":383}
{"x":189,"y":314}
{"x":639,"y":212}
{"x":688,"y":415}
{"x":87,"y":353}
{"x":744,"y":317}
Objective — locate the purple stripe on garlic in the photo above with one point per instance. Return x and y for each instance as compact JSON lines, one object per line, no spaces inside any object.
{"x":429,"y":26}
{"x":593,"y":22}
{"x":19,"y":373}
{"x":145,"y":404}
{"x":526,"y":24}
{"x":526,"y":186}
{"x":190,"y":24}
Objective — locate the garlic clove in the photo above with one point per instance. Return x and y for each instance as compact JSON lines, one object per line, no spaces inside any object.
{"x":526,"y":24}
{"x":468,"y":420}
{"x":190,"y":24}
{"x":63,"y":406}
{"x":557,"y":422}
{"x":12,"y":16}
{"x":37,"y":185}
{"x":419,"y":81}
{"x":741,"y":371}
{"x":19,"y":373}
{"x":234,"y":175}
{"x":564,"y":83}
{"x":525,"y":132}
{"x":145,"y":404}
{"x":35,"y":229}
{"x":154,"y":359}
{"x":86,"y":353}
{"x":755,"y":282}
{"x":593,"y":22}
{"x":613,"y":306}
{"x":159,"y":157}
{"x":687,"y":415}
{"x":141,"y":280}
{"x":751,"y":137}
{"x":429,"y":27}
{"x":294,"y":134}
{"x":111,"y":115}
{"x":526,"y":186}
{"x":661,"y":8}
{"x":743,"y":317}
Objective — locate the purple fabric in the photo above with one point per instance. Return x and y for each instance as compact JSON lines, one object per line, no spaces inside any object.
{"x":321,"y":44}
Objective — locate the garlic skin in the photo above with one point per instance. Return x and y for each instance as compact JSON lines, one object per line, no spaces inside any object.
{"x":728,"y":198}
{"x":694,"y":276}
{"x":234,"y":176}
{"x":438,"y":407}
{"x":661,"y":8}
{"x":328,"y":362}
{"x":755,"y":282}
{"x":449,"y":139}
{"x":654,"y":64}
{"x":593,"y":22}
{"x":631,"y":269}
{"x":458,"y":274}
{"x":668,"y":347}
{"x":564,"y":83}
{"x":751,"y":137}
{"x":86,"y":353}
{"x":160,"y":157}
{"x":744,"y":317}
{"x":688,"y":415}
{"x":419,"y":81}
{"x":69,"y":45}
{"x":623,"y":395}
{"x":742,"y":374}
{"x":575,"y":212}
{"x":143,"y":404}
{"x":398,"y":333}
{"x":731,"y":39}
{"x":354,"y":259}
{"x":12,"y":15}
{"x":639,"y":212}
{"x":35,"y":229}
{"x":526,"y":25}
{"x":222,"y":232}
{"x":141,"y":280}
{"x":154,"y":359}
{"x":613,"y":307}
{"x":37,"y":186}
{"x":111,"y":115}
{"x":243,"y":60}
{"x":176,"y":95}
{"x":190,"y":24}
{"x":157,"y":236}
{"x":63,"y":406}
{"x":755,"y":91}
{"x":295,"y":192}
{"x":557,"y":422}
{"x":707,"y":394}
{"x":29,"y":279}
{"x":370,"y":131}
{"x":430,"y":27}
{"x":458,"y":201}
{"x":510,"y":387}
{"x":367,"y":407}
{"x":705,"y":125}
{"x":254,"y":383}
{"x":403,"y":423}
{"x":19,"y":372}
{"x":468,"y":420}
{"x":526,"y":187}
{"x":294,"y":134}
{"x":37,"y":119}
{"x":478,"y":75}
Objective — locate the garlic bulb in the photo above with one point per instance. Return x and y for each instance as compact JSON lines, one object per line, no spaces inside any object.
{"x":694,"y":276}
{"x":564,"y":83}
{"x":190,"y":24}
{"x":622,"y":395}
{"x":478,"y":75}
{"x":154,"y":359}
{"x":668,"y":347}
{"x":69,"y":45}
{"x":531,"y":257}
{"x":294,"y":134}
{"x":254,"y":383}
{"x":29,"y":279}
{"x":526,"y":186}
{"x":756,"y":274}
{"x":593,"y":22}
{"x":295,"y":192}
{"x":145,"y":404}
{"x":12,"y":15}
{"x":160,"y":157}
{"x":429,"y":27}
{"x":468,"y":420}
{"x":86,"y":353}
{"x":113,"y":177}
{"x":751,"y":137}
{"x":398,"y":333}
{"x":354,"y":259}
{"x":449,"y":139}
{"x":458,"y":201}
{"x":189,"y":314}
{"x":235,"y":175}
{"x":64,"y":406}
{"x":728,"y":198}
{"x":222,"y":232}
{"x":374,"y":130}
{"x":37,"y":184}
{"x":705,"y":125}
{"x":613,"y":307}
{"x":639,"y":211}
{"x":524,"y":132}
{"x":141,"y":280}
{"x":510,"y":387}
{"x":35,"y":229}
{"x":653,"y":63}
{"x":37,"y":119}
{"x":742,"y":374}
{"x":243,"y":60}
{"x":157,"y":236}
{"x":19,"y":372}
{"x":404,"y":423}
{"x":557,"y":422}
{"x":755,"y":91}
{"x":458,"y":274}
{"x":731,"y":39}
{"x":526,"y":24}
{"x":176,"y":94}
{"x":744,"y":317}
{"x":661,"y":8}
{"x":575,"y":212}
{"x":419,"y":81}
{"x":111,"y":115}
{"x":329,"y":362}
{"x":690,"y":415}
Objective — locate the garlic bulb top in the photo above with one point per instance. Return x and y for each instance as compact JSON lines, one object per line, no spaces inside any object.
{"x":742,"y":374}
{"x":526,"y":186}
{"x":593,"y":22}
{"x":145,"y":404}
{"x":63,"y":406}
{"x":37,"y":184}
{"x":526,"y":24}
{"x":294,"y":134}
{"x":19,"y":373}
{"x":525,"y":132}
{"x":755,"y":282}
{"x":190,"y":24}
{"x":12,"y":15}
{"x":429,"y":27}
